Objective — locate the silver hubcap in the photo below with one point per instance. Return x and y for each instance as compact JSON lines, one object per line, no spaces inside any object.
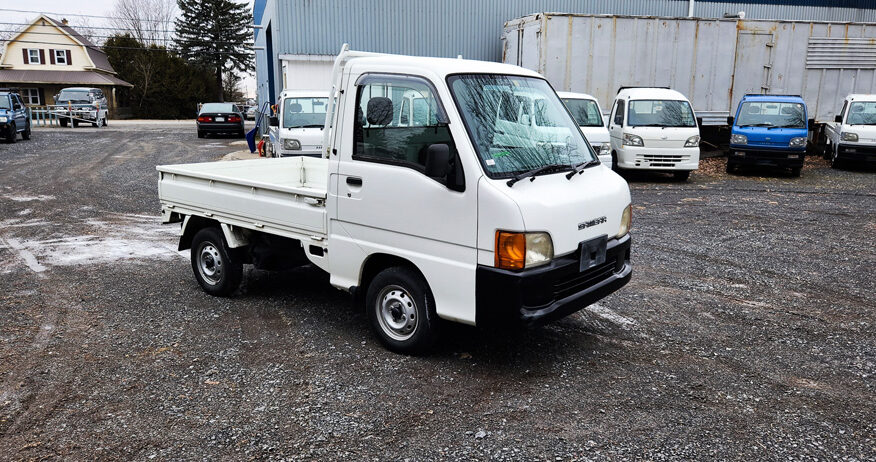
{"x":397,"y":313}
{"x":210,"y":263}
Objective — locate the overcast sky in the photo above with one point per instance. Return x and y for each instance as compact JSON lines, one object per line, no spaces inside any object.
{"x":66,"y":8}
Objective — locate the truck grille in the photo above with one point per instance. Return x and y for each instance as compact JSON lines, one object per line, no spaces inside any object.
{"x":660,"y":160}
{"x":576,"y":282}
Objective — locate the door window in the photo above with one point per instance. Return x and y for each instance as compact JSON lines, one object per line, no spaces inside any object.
{"x":397,"y":119}
{"x":619,"y":112}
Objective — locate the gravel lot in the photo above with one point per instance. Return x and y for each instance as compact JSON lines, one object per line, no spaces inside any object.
{"x":747,"y":331}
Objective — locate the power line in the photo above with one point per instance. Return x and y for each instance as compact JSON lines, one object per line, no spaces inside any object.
{"x":90,"y":27}
{"x":170,"y":50}
{"x":80,"y":15}
{"x":114,"y":36}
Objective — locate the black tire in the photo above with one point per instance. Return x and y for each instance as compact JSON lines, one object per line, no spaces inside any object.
{"x":401,"y":310}
{"x":63,"y":122}
{"x":795,"y":172}
{"x":95,"y":124}
{"x":25,"y":135}
{"x":200,"y":133}
{"x":614,"y":165}
{"x":104,"y":122}
{"x":217,"y":268}
{"x":681,"y":175}
{"x":10,"y":133}
{"x":75,"y":123}
{"x":730,"y":167}
{"x":242,"y":134}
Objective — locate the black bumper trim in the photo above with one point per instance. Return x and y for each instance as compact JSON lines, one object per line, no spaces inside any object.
{"x":766,"y":157}
{"x":856,"y":153}
{"x":550,"y":292}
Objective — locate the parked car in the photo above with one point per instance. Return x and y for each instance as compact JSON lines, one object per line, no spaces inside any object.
{"x":427,"y":219}
{"x":587,"y":112}
{"x":14,"y":117}
{"x":215,"y":118}
{"x":251,"y":112}
{"x":81,"y":105}
{"x":769,"y":130}
{"x":654,"y":129}
{"x":852,"y":136}
{"x":298,"y":129}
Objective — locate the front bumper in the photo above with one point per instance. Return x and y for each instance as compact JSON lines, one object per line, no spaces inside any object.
{"x":550,"y":292}
{"x":666,"y":159}
{"x":754,"y":155}
{"x":856,"y":153}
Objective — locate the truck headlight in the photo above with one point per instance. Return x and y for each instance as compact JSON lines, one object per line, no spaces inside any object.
{"x":632,"y":140}
{"x":797,"y":142}
{"x":626,"y":221}
{"x":522,"y":250}
{"x":692,"y":142}
{"x":738,"y":139}
{"x":849,"y":136}
{"x":292,"y":145}
{"x":3,"y":119}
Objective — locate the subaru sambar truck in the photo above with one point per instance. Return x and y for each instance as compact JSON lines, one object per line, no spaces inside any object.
{"x":852,"y":136}
{"x":424,"y":218}
{"x":768,"y":130}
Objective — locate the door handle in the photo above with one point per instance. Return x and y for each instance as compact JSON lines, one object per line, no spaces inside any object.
{"x":354,"y":181}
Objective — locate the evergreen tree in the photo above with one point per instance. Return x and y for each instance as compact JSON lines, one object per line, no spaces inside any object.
{"x":215,"y":33}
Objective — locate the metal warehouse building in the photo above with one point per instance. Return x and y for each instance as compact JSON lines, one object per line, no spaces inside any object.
{"x":298,"y":39}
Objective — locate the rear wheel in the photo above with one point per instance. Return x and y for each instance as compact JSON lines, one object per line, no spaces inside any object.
{"x":104,"y":122}
{"x":75,"y":123}
{"x":200,"y":133}
{"x":682,"y":175}
{"x":216,"y":267}
{"x":402,"y":310}
{"x":25,"y":135}
{"x":63,"y":122}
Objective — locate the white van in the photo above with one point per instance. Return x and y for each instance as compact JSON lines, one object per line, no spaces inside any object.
{"x":852,"y":135}
{"x":298,"y":129}
{"x":588,"y":113}
{"x":654,"y":129}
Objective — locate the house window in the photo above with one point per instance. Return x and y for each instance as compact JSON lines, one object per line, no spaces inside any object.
{"x":33,"y":56}
{"x":60,"y":56}
{"x":31,"y":96}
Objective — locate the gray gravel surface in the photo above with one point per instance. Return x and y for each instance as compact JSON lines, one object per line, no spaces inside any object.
{"x":747,"y":332}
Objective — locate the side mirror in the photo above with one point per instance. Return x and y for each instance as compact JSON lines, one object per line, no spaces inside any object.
{"x":437,"y":160}
{"x":699,"y":121}
{"x":274,"y":121}
{"x":730,"y":121}
{"x":838,"y":118}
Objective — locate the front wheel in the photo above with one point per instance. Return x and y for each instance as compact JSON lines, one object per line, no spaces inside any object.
{"x":730,"y":167}
{"x":75,"y":123}
{"x":682,"y":175}
{"x":795,"y":172}
{"x":614,"y":165}
{"x":63,"y":122}
{"x":216,"y":267}
{"x":10,"y":134}
{"x":402,"y":310}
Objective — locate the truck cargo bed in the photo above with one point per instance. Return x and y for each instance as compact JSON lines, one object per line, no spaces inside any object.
{"x":278,"y":196}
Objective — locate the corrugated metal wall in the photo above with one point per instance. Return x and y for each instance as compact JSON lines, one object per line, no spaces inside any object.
{"x":473,"y":27}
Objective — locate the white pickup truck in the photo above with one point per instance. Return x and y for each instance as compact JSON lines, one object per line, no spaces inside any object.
{"x":297,"y":131}
{"x":852,"y":135}
{"x":423,"y":217}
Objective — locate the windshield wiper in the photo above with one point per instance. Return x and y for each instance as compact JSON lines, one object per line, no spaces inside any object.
{"x":648,"y":125}
{"x":580,"y":167}
{"x":307,"y":126}
{"x":762,"y":124}
{"x":531,"y":174}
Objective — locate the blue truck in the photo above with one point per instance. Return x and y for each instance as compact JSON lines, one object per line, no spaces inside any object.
{"x":14,"y":118}
{"x":769,"y":130}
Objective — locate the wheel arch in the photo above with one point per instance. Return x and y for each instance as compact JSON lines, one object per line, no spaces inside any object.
{"x":377,"y":262}
{"x":190,"y":226}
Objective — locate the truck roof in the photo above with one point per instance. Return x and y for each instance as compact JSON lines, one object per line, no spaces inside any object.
{"x":650,"y":93}
{"x":861,"y":97}
{"x":441,"y":66}
{"x":571,"y":95}
{"x":775,"y":98}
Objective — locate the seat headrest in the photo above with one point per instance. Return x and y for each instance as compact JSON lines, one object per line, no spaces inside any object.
{"x":858,"y":108}
{"x":379,"y":111}
{"x":754,"y":109}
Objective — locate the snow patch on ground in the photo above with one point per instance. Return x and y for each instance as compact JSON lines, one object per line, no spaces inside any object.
{"x":41,"y":198}
{"x":610,"y":315}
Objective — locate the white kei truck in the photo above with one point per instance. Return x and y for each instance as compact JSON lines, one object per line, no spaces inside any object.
{"x":424,"y":218}
{"x":297,"y":131}
{"x":851,"y":138}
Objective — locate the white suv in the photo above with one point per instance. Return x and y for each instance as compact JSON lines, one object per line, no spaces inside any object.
{"x":654,"y":129}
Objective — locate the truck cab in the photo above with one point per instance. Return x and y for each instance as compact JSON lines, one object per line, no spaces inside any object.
{"x":588,"y":113}
{"x":769,"y":130}
{"x":654,"y":129}
{"x":14,"y":117}
{"x":299,"y":125}
{"x":852,"y":135}
{"x":430,"y":213}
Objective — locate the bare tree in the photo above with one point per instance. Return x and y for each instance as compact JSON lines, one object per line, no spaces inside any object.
{"x":148,"y":21}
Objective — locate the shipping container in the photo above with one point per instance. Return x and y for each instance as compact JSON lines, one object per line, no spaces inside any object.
{"x":714,"y":62}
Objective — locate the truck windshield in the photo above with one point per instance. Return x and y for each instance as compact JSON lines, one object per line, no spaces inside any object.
{"x":73,"y":95}
{"x":585,"y":112}
{"x":771,"y":114}
{"x":862,"y":113}
{"x":660,"y":113}
{"x":304,"y":112}
{"x":518,"y":124}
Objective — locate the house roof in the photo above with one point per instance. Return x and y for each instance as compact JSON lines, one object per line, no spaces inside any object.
{"x":88,"y":78}
{"x":98,"y":57}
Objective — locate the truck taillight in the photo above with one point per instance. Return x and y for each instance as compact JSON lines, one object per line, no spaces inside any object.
{"x":205,"y":119}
